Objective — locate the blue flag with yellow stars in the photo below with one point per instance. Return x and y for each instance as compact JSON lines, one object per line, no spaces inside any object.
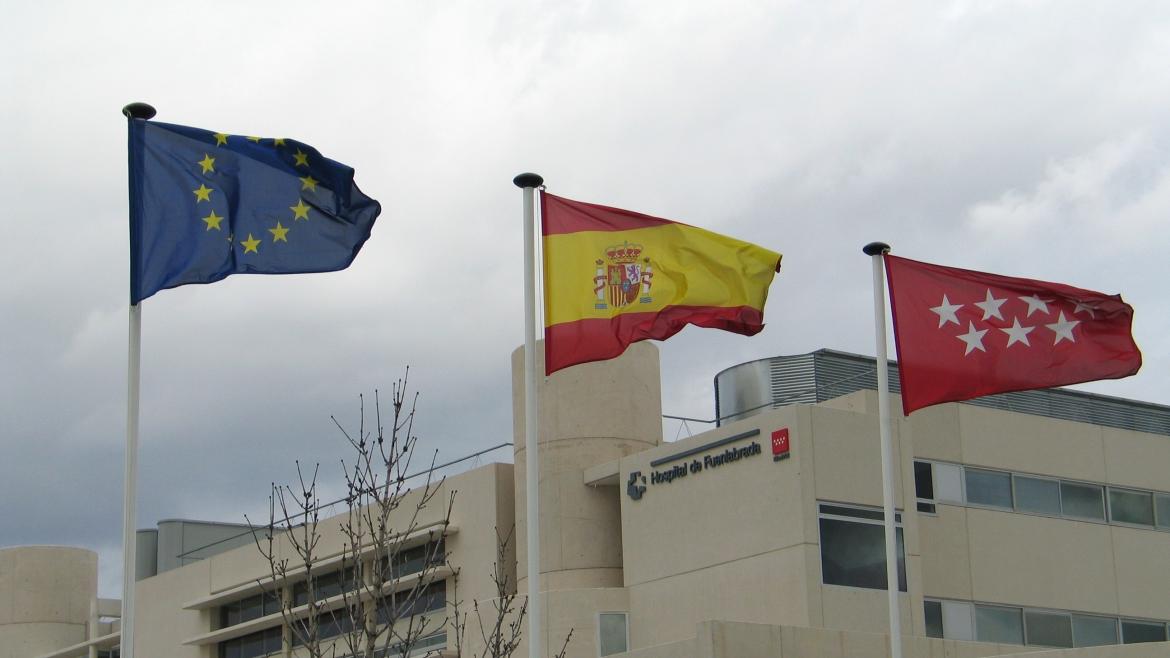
{"x":205,"y":205}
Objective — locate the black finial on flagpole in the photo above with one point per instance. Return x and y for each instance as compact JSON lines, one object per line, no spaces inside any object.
{"x":139,"y":111}
{"x":875,"y":248}
{"x":528,"y":180}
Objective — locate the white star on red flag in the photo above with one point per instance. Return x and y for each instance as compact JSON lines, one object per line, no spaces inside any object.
{"x":947,"y":312}
{"x":1016,"y":333}
{"x":991,"y":306}
{"x":1063,"y":329}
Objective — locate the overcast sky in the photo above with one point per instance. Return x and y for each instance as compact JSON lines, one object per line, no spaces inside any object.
{"x":1024,"y":138}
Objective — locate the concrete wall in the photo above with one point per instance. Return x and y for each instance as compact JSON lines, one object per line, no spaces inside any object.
{"x":729,"y":542}
{"x":45,"y":598}
{"x":587,"y":415}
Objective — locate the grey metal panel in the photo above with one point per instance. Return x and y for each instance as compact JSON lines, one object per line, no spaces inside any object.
{"x":145,"y":554}
{"x":827,"y":374}
{"x":741,"y":389}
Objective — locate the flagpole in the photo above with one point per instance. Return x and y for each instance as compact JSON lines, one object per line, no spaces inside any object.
{"x":528,"y":184}
{"x":130,"y":492}
{"x":130,"y":489}
{"x":876,"y":250}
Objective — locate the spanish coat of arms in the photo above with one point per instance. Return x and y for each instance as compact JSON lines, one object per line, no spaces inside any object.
{"x":623,"y":277}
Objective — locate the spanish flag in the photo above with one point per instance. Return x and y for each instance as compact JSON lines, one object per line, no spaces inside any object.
{"x":614,"y":277}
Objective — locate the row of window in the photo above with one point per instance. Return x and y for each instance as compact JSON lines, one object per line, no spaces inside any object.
{"x":402,"y":563}
{"x":952,"y":483}
{"x":853,"y":547}
{"x":332,"y":624}
{"x":959,"y":620}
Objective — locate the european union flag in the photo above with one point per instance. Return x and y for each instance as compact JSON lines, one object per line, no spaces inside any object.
{"x":205,"y":205}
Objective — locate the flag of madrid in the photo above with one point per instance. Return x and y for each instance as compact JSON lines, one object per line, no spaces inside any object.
{"x":962,"y":334}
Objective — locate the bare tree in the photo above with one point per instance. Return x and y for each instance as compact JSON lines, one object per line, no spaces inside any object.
{"x":371,"y":586}
{"x":500,"y":620}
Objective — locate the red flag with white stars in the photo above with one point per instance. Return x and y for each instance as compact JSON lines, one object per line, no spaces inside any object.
{"x":962,"y":334}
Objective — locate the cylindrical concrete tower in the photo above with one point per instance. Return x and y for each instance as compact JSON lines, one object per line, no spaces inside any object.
{"x":588,"y":414}
{"x":45,"y":597}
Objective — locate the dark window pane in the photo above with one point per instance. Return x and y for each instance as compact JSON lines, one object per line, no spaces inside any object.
{"x":1036,"y":495}
{"x":1162,"y":504}
{"x":1084,"y":501}
{"x":271,"y":603}
{"x":1093,"y":631}
{"x":1047,"y":629}
{"x":934,"y":619}
{"x":989,"y":488}
{"x":1134,"y":632}
{"x":1002,"y":625}
{"x":1131,"y":506}
{"x":923,"y":480}
{"x":272,"y":640}
{"x":252,"y":645}
{"x":928,"y":508}
{"x":251,"y":608}
{"x":874,"y":515}
{"x":229,"y":649}
{"x":854,"y":555}
{"x":229,"y":615}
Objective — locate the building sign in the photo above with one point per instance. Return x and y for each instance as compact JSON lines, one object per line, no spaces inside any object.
{"x":696,"y":460}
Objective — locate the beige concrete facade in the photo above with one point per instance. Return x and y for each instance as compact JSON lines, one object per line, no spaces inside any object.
{"x":713,"y":547}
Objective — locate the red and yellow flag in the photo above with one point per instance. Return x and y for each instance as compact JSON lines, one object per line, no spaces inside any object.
{"x":614,"y":277}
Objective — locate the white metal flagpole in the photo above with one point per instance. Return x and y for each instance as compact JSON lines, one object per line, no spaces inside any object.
{"x":528,"y":183}
{"x":133,"y":111}
{"x":876,"y":250}
{"x":130,"y":493}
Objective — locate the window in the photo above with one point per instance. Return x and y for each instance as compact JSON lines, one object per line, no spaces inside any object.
{"x":260,"y":643}
{"x":1048,"y":629}
{"x":414,"y":560}
{"x":998,"y":624}
{"x":430,"y":598}
{"x":853,"y":548}
{"x":1089,"y":631}
{"x":952,"y":620}
{"x":613,"y":633}
{"x":1135,"y":632}
{"x":1084,"y":501}
{"x":1162,"y":508}
{"x":1037,"y":495}
{"x":924,"y":486}
{"x":326,"y":585}
{"x":932,"y":611}
{"x":989,"y":488}
{"x":958,"y":621}
{"x":1135,"y":507}
{"x":253,"y":607}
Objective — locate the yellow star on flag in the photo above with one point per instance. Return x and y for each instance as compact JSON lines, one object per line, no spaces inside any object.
{"x":302,"y":158}
{"x":213,"y":221}
{"x":254,"y":139}
{"x":220,"y":139}
{"x":208,"y":163}
{"x":203,"y":193}
{"x":250,"y":244}
{"x":309,"y":183}
{"x":300,"y":211}
{"x":279,"y":233}
{"x":278,"y":141}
